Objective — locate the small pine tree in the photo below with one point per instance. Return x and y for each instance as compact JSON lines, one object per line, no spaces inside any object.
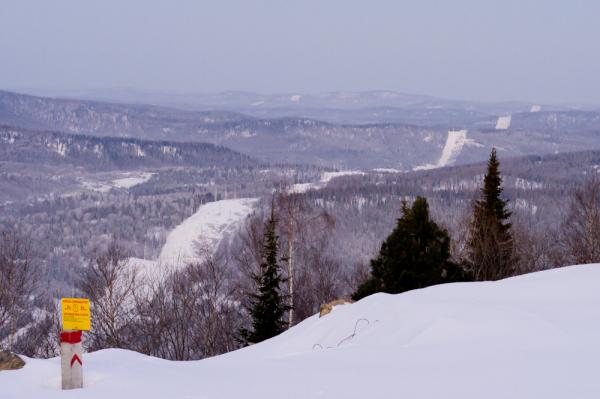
{"x":490,"y":243}
{"x":415,"y":255}
{"x":267,"y":306}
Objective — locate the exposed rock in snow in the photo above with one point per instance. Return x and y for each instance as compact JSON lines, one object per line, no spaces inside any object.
{"x":10,"y":361}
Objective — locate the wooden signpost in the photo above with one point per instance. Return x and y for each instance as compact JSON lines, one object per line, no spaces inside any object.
{"x":75,"y":318}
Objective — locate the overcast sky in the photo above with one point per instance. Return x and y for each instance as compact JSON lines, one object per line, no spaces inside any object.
{"x":546,"y":51}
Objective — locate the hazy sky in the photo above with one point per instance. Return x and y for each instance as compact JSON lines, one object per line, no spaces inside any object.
{"x":547,"y":51}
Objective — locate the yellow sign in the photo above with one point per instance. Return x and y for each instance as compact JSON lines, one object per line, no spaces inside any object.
{"x":75,"y":313}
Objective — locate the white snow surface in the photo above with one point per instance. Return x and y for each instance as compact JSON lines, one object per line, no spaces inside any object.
{"x":201,"y":233}
{"x":454,"y":144}
{"x":387,"y":170}
{"x":326,"y":177}
{"x":503,"y":122}
{"x":126,"y":180}
{"x":132,"y":179}
{"x":456,"y":140}
{"x":534,"y":336}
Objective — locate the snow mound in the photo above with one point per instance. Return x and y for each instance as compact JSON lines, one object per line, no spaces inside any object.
{"x":534,"y":336}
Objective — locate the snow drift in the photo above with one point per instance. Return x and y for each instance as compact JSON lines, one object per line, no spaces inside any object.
{"x":534,"y":336}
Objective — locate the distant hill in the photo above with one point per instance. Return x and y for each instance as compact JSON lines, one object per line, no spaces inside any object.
{"x":415,"y":134}
{"x":106,"y":153}
{"x":106,"y":119}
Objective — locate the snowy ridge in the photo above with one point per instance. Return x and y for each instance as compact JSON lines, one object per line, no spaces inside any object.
{"x":533,"y":336}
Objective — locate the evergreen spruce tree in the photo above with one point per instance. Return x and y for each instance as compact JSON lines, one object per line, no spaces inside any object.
{"x":415,"y":255}
{"x":490,"y":243}
{"x":267,"y":306}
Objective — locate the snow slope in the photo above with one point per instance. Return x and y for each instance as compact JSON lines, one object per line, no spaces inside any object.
{"x":126,"y":180}
{"x":197,"y":236}
{"x":132,"y":179}
{"x":202,"y":232}
{"x":534,"y":336}
{"x":326,"y":177}
{"x":455,"y":142}
{"x":503,"y":122}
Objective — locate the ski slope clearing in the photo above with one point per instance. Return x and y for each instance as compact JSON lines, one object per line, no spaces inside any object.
{"x":103,"y":184}
{"x":534,"y":336}
{"x":197,"y":237}
{"x":326,"y":177}
{"x":132,"y":180}
{"x":201,"y":233}
{"x":503,"y":122}
{"x":455,"y":142}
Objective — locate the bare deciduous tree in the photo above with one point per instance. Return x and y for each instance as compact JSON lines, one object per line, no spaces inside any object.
{"x":301,"y":226}
{"x":18,"y":279}
{"x":581,"y":229}
{"x":534,"y":249}
{"x":291,"y":208}
{"x":188,"y":314}
{"x":110,"y":282}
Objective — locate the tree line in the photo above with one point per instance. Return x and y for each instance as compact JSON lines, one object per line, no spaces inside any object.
{"x":278,"y":271}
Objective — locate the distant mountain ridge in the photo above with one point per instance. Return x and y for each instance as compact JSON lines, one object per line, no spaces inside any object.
{"x":343,"y":145}
{"x":355,"y":107}
{"x":106,"y":153}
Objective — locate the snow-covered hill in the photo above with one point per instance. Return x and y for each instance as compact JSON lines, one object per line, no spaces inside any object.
{"x":534,"y":336}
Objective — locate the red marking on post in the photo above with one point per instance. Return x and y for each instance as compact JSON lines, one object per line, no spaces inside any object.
{"x":70,"y":337}
{"x":76,"y":358}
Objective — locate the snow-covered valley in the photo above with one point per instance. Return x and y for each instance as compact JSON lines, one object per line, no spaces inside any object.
{"x":533,"y":336}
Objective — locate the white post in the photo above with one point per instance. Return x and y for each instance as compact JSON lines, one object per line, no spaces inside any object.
{"x":71,"y":359}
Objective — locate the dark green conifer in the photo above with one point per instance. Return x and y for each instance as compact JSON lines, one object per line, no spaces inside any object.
{"x":267,"y":306}
{"x":415,"y":255}
{"x":490,"y":243}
